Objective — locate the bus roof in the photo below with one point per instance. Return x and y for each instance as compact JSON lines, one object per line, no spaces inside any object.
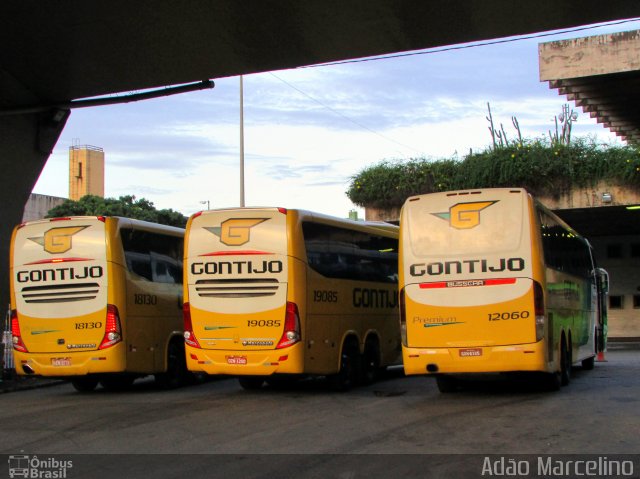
{"x":135,"y":223}
{"x":380,"y":227}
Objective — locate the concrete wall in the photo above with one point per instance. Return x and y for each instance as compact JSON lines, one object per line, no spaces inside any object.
{"x":602,"y":194}
{"x":624,"y":322}
{"x":39,"y":205}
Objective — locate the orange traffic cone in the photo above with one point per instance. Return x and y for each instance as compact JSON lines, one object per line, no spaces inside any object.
{"x":600,"y":358}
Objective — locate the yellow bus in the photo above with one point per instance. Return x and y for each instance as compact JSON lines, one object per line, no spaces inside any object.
{"x":97,"y":299}
{"x":491,"y":281}
{"x":275,"y":294}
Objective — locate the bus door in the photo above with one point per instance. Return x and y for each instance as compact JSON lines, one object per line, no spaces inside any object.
{"x":154,"y":284}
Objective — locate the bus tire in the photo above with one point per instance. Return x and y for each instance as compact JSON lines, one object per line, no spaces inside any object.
{"x":589,"y":363}
{"x":370,"y":361}
{"x":176,"y":373}
{"x":565,"y":363}
{"x":84,"y":384}
{"x":347,"y":375}
{"x":251,"y":383}
{"x":447,"y":384}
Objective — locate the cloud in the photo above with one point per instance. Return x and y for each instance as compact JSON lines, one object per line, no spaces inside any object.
{"x":308,"y":130}
{"x":144,"y":189}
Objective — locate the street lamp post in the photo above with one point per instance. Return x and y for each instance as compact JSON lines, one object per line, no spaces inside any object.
{"x":241,"y":143}
{"x":205,"y":202}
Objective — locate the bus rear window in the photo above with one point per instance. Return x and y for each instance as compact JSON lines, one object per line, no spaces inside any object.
{"x":441,"y":229}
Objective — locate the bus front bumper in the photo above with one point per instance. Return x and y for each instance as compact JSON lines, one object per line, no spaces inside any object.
{"x":460,"y":360}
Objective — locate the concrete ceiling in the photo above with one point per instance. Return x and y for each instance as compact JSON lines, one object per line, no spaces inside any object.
{"x":602,"y":75}
{"x":56,"y":51}
{"x":52,"y":53}
{"x":603,"y":221}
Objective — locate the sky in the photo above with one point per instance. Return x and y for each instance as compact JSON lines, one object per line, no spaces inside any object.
{"x":308,"y":131}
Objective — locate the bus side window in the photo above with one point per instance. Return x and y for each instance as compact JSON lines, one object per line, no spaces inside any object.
{"x":339,"y":253}
{"x":153,"y":256}
{"x":139,"y":264}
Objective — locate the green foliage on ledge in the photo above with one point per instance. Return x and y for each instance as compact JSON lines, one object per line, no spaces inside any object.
{"x":543,"y":168}
{"x":126,"y":206}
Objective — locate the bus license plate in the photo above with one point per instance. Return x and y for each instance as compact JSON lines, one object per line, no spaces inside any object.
{"x":58,"y":362}
{"x":470,"y":352}
{"x":236,"y":360}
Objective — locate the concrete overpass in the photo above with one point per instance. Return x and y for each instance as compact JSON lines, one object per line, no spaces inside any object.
{"x":54,"y":53}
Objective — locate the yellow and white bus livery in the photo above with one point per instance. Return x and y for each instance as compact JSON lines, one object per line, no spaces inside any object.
{"x":97,"y":299}
{"x":274,"y":294}
{"x":492,"y":282}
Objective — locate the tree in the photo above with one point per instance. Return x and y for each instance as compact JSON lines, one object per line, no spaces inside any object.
{"x":125,"y":206}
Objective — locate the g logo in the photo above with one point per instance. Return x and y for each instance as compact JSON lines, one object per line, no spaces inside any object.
{"x":58,"y":240}
{"x":465,"y":215}
{"x":235,"y":231}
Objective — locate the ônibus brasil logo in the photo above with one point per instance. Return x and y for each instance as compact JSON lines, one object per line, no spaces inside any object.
{"x":58,"y":240}
{"x":23,"y":465}
{"x":235,"y":231}
{"x":464,"y":215}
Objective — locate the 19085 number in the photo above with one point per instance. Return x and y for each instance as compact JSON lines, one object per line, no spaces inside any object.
{"x":323,"y":296}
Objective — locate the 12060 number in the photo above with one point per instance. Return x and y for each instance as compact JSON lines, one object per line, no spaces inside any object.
{"x":508,"y":315}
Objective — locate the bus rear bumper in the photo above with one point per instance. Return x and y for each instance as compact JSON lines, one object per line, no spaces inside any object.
{"x":494,"y":359}
{"x":246,"y":363}
{"x":70,"y":364}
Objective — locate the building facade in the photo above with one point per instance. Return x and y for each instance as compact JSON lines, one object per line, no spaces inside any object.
{"x":86,"y":171}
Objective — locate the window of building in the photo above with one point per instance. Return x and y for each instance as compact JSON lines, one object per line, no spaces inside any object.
{"x":614,"y":251}
{"x":616,"y":302}
{"x":636,"y":301}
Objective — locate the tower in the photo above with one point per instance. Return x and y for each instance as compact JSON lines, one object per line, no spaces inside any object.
{"x":86,"y":171}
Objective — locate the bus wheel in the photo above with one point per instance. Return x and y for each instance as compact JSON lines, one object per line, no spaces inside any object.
{"x":117,"y":383}
{"x":565,"y":364}
{"x":447,"y":384}
{"x":176,"y":373}
{"x":347,"y":376}
{"x":370,"y":362}
{"x":85,"y":384}
{"x":589,"y":363}
{"x":251,"y":383}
